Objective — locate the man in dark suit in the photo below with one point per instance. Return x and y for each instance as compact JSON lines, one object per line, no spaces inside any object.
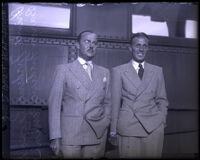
{"x":79,"y":104}
{"x":139,"y":104}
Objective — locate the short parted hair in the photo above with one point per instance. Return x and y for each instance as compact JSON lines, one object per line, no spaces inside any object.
{"x":137,"y":35}
{"x":80,"y":34}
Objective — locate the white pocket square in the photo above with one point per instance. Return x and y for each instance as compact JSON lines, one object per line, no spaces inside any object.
{"x":104,"y":79}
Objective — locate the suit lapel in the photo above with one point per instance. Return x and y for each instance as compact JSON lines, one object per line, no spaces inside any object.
{"x":95,"y":83}
{"x":79,"y":72}
{"x":132,"y":75}
{"x":147,"y":76}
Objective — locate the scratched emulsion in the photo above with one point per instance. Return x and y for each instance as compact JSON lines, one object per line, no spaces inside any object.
{"x":23,"y":62}
{"x":24,"y":76}
{"x":25,"y":125}
{"x":19,"y":13}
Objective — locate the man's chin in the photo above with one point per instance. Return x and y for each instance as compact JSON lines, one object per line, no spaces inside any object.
{"x":91,"y":55}
{"x":140,"y":60}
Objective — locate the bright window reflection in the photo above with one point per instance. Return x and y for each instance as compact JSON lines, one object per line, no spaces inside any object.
{"x":144,"y":24}
{"x":191,"y":29}
{"x":41,"y":16}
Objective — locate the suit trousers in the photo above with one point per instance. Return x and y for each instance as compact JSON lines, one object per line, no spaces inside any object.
{"x":84,"y":151}
{"x":142,"y":147}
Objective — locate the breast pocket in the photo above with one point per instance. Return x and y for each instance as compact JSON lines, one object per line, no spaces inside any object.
{"x":73,"y":88}
{"x":73,"y":83}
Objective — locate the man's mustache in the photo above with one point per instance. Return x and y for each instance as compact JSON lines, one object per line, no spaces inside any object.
{"x":91,"y":50}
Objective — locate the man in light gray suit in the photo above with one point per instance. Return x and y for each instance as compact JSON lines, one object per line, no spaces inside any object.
{"x":139,"y":104}
{"x":79,"y":104}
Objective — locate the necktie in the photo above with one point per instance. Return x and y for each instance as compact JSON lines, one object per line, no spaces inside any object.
{"x":89,"y":70}
{"x":140,"y":71}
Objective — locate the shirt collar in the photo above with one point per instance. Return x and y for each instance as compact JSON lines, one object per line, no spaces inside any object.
{"x":136,"y":64}
{"x":82,"y":61}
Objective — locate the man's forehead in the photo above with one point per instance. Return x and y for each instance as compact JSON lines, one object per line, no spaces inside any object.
{"x":140,"y":39}
{"x":88,"y":33}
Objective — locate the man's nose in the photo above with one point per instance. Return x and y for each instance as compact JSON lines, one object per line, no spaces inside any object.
{"x":92,"y":45}
{"x":142,"y":49}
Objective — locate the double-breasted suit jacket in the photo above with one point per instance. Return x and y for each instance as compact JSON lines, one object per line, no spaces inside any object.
{"x":79,"y":109}
{"x":138,"y":106}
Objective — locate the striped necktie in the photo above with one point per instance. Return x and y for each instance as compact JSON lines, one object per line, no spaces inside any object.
{"x":140,"y":71}
{"x":89,"y":70}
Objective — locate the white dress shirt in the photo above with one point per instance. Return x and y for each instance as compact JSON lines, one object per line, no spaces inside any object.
{"x":83,"y":63}
{"x":136,"y":65}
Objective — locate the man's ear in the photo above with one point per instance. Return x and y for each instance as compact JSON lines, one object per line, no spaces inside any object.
{"x":77,"y":45}
{"x":130,"y":48}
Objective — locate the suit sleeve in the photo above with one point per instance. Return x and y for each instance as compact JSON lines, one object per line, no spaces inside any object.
{"x":54,"y":103}
{"x":161,"y":97}
{"x":116,"y":89}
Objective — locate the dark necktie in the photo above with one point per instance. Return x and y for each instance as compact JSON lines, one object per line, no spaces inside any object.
{"x":140,"y":71}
